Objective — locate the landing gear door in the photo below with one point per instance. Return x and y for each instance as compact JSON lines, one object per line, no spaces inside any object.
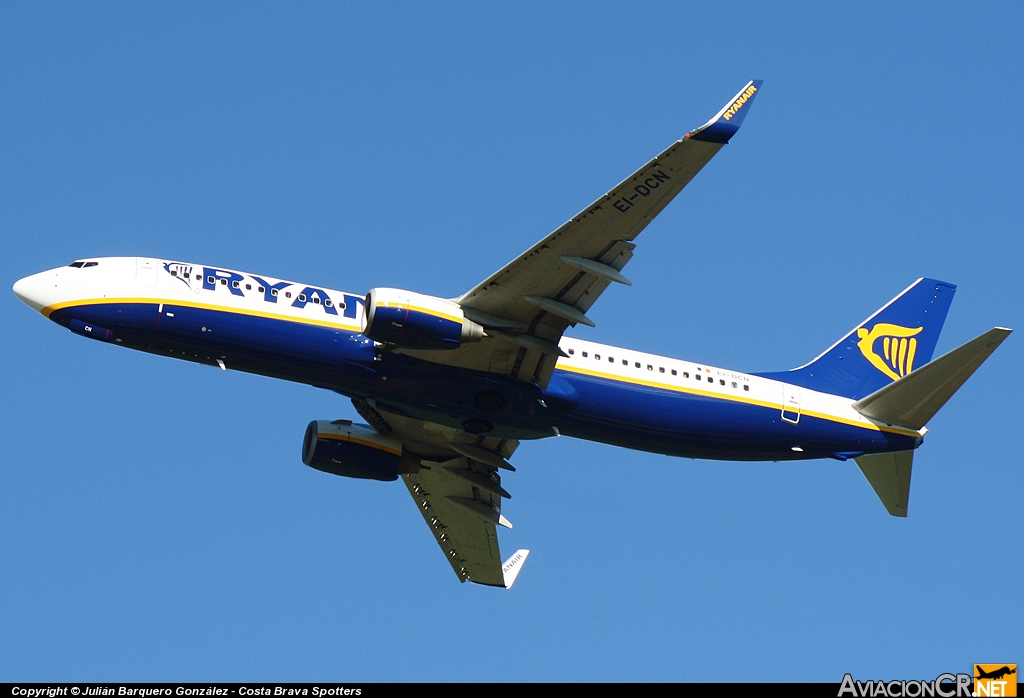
{"x":790,"y":403}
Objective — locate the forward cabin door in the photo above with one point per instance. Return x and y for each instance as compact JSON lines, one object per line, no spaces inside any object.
{"x":145,"y":276}
{"x":145,"y":271}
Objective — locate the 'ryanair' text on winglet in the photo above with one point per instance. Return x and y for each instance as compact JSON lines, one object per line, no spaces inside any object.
{"x":727,"y":122}
{"x":513,"y":566}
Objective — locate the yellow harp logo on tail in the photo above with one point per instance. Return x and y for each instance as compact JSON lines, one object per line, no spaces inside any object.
{"x":897,"y":351}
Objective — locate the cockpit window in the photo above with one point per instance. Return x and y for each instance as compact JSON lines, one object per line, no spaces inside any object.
{"x":80,"y":264}
{"x":92,"y":264}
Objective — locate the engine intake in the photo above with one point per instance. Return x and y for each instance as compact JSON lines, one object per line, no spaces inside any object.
{"x":414,"y":321}
{"x":351,"y":450}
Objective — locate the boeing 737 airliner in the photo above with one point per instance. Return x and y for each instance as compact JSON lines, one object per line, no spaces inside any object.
{"x":450,"y":387}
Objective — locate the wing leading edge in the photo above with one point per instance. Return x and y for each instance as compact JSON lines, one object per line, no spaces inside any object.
{"x":528,"y":303}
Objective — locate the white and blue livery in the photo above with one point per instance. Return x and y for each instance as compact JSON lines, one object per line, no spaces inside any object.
{"x":449,"y":387}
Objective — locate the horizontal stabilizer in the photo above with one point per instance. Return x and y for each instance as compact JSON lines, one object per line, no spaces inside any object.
{"x":889,"y":476}
{"x":915,"y":398}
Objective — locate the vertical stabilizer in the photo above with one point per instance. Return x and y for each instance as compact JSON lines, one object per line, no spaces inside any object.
{"x":887,"y":346}
{"x":889,"y":475}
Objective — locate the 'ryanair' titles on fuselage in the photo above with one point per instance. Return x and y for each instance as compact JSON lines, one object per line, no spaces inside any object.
{"x":247,"y":286}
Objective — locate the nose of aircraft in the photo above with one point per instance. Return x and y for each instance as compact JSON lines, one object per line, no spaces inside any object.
{"x":31,"y":290}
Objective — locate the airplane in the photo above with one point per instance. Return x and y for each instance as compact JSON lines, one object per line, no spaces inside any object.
{"x":450,"y":387}
{"x":995,"y":673}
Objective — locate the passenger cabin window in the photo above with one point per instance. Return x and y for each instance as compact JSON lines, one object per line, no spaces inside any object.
{"x":661,"y":369}
{"x":273,"y":291}
{"x":248,"y":287}
{"x":650,"y":368}
{"x":234,"y":284}
{"x":211,"y":280}
{"x":734,"y":384}
{"x":223,"y":282}
{"x":328,"y":303}
{"x":625,"y":363}
{"x":287,"y":294}
{"x":674,"y":372}
{"x":638,"y":364}
{"x":686,"y":374}
{"x":571,"y":352}
{"x":611,"y":360}
{"x":746,"y":387}
{"x":174,"y":272}
{"x":584,"y":355}
{"x":260,"y":289}
{"x":597,"y":356}
{"x":302,"y":297}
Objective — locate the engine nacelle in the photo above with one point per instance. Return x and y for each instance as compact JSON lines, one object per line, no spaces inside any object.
{"x":415,"y":321}
{"x":351,"y":450}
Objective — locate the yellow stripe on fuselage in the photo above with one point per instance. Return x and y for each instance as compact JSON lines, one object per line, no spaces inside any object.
{"x":734,"y":398}
{"x":48,"y":310}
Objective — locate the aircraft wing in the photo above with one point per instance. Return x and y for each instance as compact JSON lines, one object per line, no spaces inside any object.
{"x":527,"y":305}
{"x":457,"y":489}
{"x":463,"y":525}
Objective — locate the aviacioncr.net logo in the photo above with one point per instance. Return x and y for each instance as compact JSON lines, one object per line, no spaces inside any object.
{"x":995,"y":680}
{"x":898,"y":347}
{"x":943,"y":686}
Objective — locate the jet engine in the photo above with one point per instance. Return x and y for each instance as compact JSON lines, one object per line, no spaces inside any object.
{"x":414,"y":321}
{"x":352,"y":450}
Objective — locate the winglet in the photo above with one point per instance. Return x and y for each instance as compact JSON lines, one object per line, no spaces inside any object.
{"x":727,"y":122}
{"x":510,"y":570}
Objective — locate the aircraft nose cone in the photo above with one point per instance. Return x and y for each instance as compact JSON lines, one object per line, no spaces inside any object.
{"x":30,"y":291}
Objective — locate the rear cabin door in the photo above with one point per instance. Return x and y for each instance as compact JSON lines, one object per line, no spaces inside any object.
{"x":790,"y":403}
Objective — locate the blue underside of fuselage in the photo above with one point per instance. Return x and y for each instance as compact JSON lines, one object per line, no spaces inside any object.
{"x":684,"y":424}
{"x":594,"y":408}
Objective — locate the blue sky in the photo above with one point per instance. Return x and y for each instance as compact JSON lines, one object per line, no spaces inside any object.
{"x":156,"y":522}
